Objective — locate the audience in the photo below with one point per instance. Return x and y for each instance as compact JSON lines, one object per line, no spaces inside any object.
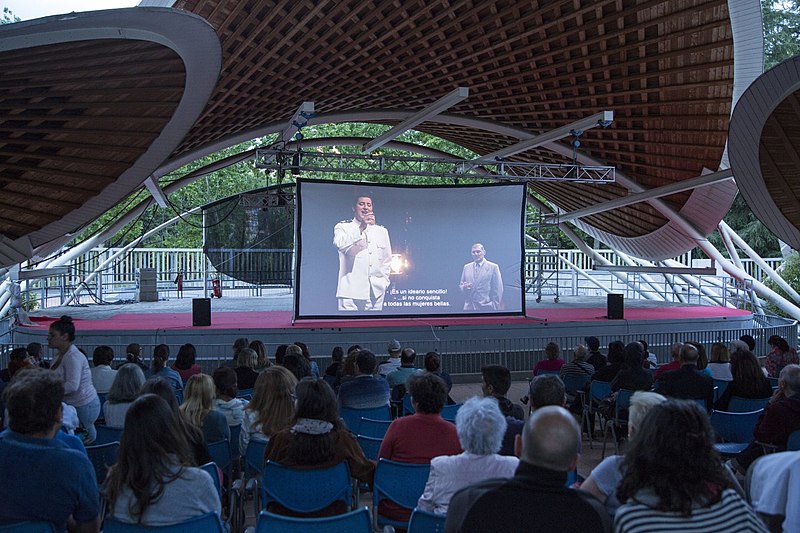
{"x":775,"y":492}
{"x":318,"y":439}
{"x":633,"y":376}
{"x":536,"y":498}
{"x":596,"y":359}
{"x":185,"y":364}
{"x":226,"y":401}
{"x":262,"y":361}
{"x":197,"y":409}
{"x":124,"y":390}
{"x":650,"y":360}
{"x":35,"y":351}
{"x":73,"y":369}
{"x":365,"y":390}
{"x":433,"y":364}
{"x":280,"y":353}
{"x":552,"y":362}
{"x":544,"y":390}
{"x":311,"y":363}
{"x":748,"y":380}
{"x":393,"y":363}
{"x":495,"y":382}
{"x":133,"y":354}
{"x":43,"y":479}
{"x":272,"y":408}
{"x":749,"y":341}
{"x":295,"y":362}
{"x":246,"y":376}
{"x":238,"y":345}
{"x":687,"y":382}
{"x":578,"y":366}
{"x":155,"y":482}
{"x":658,"y":496}
{"x":17,"y":359}
{"x":160,"y":368}
{"x":779,"y":356}
{"x":702,"y":358}
{"x":102,"y":373}
{"x":720,"y":365}
{"x":675,"y":364}
{"x":616,"y":362}
{"x":480,"y":426}
{"x":602,"y":482}
{"x":337,"y":360}
{"x":406,"y":368}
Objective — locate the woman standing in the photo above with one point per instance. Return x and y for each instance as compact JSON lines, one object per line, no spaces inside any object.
{"x":73,"y":367}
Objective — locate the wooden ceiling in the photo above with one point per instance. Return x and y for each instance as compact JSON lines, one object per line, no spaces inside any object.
{"x":76,"y":115}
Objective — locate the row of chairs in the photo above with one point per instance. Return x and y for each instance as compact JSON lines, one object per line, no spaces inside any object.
{"x":352,"y":416}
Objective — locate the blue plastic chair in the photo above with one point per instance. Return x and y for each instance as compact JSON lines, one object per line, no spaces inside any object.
{"x":28,"y":527}
{"x":370,"y":446}
{"x":213,"y":471}
{"x":253,"y":471}
{"x":735,"y":430}
{"x":719,"y":388}
{"x":597,"y":391}
{"x":106,"y":435}
{"x":207,"y":523}
{"x":545,"y":372}
{"x":449,"y":411}
{"x":102,"y":456}
{"x":746,"y":405}
{"x":353,"y":522}
{"x":425,"y":522}
{"x":245,"y":394}
{"x":306,"y":490}
{"x":376,"y":429}
{"x":621,"y":406}
{"x":352,"y":416}
{"x":401,"y":483}
{"x":793,"y":444}
{"x":408,"y":407}
{"x":574,"y":383}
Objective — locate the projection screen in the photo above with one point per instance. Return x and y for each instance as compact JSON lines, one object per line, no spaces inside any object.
{"x":367,"y":250}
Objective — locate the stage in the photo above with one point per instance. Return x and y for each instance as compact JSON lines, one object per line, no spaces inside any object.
{"x":471,"y":341}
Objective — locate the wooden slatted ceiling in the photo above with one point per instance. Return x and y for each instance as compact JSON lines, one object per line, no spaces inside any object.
{"x":665,"y":67}
{"x":73,"y":117}
{"x":779,"y":157}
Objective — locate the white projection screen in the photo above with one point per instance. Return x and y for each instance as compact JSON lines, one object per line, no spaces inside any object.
{"x":368,"y":250}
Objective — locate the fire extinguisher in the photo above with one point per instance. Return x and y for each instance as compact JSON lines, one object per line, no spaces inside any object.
{"x":216,"y":287}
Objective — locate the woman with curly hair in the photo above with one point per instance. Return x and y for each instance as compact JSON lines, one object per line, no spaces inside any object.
{"x":674,"y":479}
{"x":272,"y":408}
{"x":781,"y":355}
{"x":153,"y":482}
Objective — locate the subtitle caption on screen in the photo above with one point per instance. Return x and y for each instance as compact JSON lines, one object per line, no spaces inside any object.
{"x":418,"y":298}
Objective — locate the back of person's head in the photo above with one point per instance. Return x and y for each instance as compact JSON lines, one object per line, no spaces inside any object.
{"x":353,"y":348}
{"x":304,"y":350}
{"x":198,"y":399}
{"x":749,"y":340}
{"x":702,"y":358}
{"x":719,"y":353}
{"x":65,"y":325}
{"x":316,"y":400}
{"x":261,"y":354}
{"x":644,"y":344}
{"x":127,"y":384}
{"x":34,"y":350}
{"x":33,"y":401}
{"x":428,"y":392}
{"x":366,"y":362}
{"x":18,"y":360}
{"x":551,"y":439}
{"x":293,"y":349}
{"x":133,"y":351}
{"x":102,"y":355}
{"x":280,"y":353}
{"x":161,"y":388}
{"x":778,"y":342}
{"x":315,"y":432}
{"x":634,"y":355}
{"x":187,"y":355}
{"x":433,"y":362}
{"x":337,"y":354}
{"x":297,"y":365}
{"x":497,"y":379}
{"x":616,"y":352}
{"x":675,"y":432}
{"x":247,"y":358}
{"x":407,"y":357}
{"x":552,"y":350}
{"x":737,"y":346}
{"x":689,"y":354}
{"x":675,"y":351}
{"x":273,"y":399}
{"x":160,"y":357}
{"x":579,"y":353}
{"x":547,"y":389}
{"x":225,"y":381}
{"x":238,"y":344}
{"x":393,"y":348}
{"x":790,"y":375}
{"x":593,"y":343}
{"x":151,"y":446}
{"x":746,"y":372}
{"x":480,"y":426}
{"x":641,"y":403}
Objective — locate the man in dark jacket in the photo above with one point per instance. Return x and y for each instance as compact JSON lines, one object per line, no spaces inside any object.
{"x":687,"y":382}
{"x":596,"y":359}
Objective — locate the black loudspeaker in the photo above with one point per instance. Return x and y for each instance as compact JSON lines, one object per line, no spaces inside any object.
{"x":201,"y":311}
{"x":615,"y":307}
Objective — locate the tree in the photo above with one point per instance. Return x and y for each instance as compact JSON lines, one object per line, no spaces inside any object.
{"x":8,"y":17}
{"x":781,"y":30}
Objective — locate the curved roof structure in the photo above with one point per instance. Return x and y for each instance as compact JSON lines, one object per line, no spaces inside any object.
{"x":670,"y":70}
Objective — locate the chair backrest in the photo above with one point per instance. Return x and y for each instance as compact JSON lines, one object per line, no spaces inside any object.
{"x":369,"y":427}
{"x":207,"y":523}
{"x":28,"y":527}
{"x":449,"y":411}
{"x":370,"y":446}
{"x":102,"y":456}
{"x":408,"y":407}
{"x":305,"y":490}
{"x":622,"y":404}
{"x":254,"y":458}
{"x":545,"y":372}
{"x":425,"y":522}
{"x":599,"y":389}
{"x":221,"y":454}
{"x":353,"y":522}
{"x":401,"y":483}
{"x":352,"y":417}
{"x":213,"y":471}
{"x":735,"y":427}
{"x":774,"y":382}
{"x":573,"y":382}
{"x":719,"y":388}
{"x":106,"y":435}
{"x":793,"y":444}
{"x":746,"y":405}
{"x":245,"y":394}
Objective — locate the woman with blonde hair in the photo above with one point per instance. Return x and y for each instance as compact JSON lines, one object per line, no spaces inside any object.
{"x":197,"y":409}
{"x":272,"y":408}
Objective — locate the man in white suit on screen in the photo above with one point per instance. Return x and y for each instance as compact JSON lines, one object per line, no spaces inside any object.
{"x":365,"y":257}
{"x":481,"y":282}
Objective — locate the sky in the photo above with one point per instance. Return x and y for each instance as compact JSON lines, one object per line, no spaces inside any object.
{"x":33,"y":9}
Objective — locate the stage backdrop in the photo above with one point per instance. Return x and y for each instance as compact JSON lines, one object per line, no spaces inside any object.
{"x":430,"y":232}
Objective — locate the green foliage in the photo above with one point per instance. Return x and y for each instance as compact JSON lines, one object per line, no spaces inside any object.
{"x":781,"y":30}
{"x":791,"y":274}
{"x":750,"y":229}
{"x":8,"y":17}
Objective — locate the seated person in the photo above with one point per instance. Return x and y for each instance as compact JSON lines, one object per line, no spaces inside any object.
{"x":365,"y":390}
{"x":153,"y":482}
{"x":400,"y":375}
{"x":246,"y":361}
{"x":197,"y":409}
{"x":480,"y":426}
{"x":596,"y":358}
{"x":748,"y":380}
{"x":272,"y":408}
{"x":775,"y":492}
{"x":546,"y":389}
{"x":616,"y":362}
{"x":102,"y":373}
{"x":495,"y":382}
{"x":51,"y":482}
{"x":674,"y":364}
{"x":317,"y":439}
{"x":337,"y":359}
{"x":124,"y":390}
{"x":687,"y":382}
{"x":160,"y":368}
{"x":633,"y":376}
{"x":185,"y":364}
{"x":698,"y":496}
{"x":433,"y":364}
{"x":552,"y":361}
{"x":226,"y":401}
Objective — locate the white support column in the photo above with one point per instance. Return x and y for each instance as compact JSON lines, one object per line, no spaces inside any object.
{"x":725,"y":232}
{"x":156,"y":192}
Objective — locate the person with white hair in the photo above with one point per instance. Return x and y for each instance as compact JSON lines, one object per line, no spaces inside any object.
{"x":480,"y":426}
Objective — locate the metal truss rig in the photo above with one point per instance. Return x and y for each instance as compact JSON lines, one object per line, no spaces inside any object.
{"x":313,"y":161}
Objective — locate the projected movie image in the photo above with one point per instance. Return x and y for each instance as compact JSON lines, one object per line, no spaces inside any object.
{"x":374,"y":250}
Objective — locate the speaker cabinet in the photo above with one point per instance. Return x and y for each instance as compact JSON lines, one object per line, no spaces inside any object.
{"x":201,"y":311}
{"x":615,"y":307}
